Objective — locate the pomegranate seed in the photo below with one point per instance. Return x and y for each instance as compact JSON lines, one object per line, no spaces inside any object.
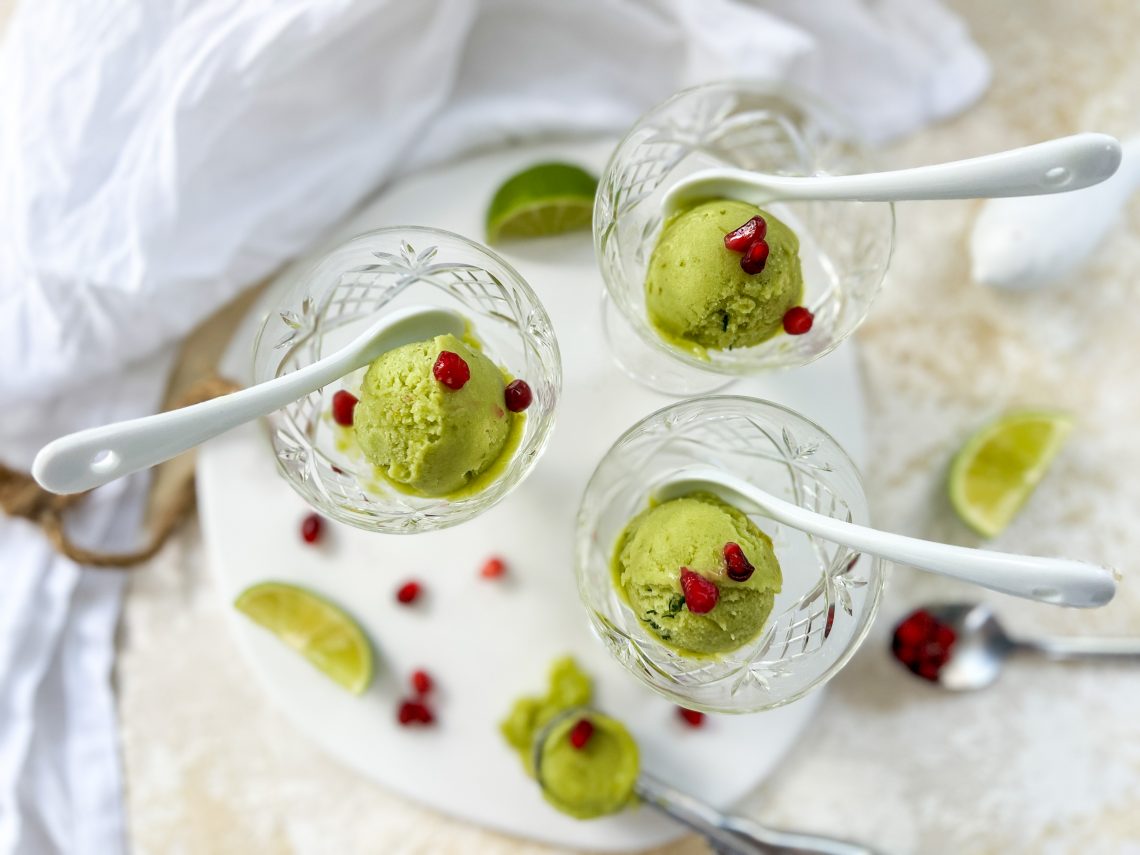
{"x":311,"y":528}
{"x":581,"y":732}
{"x":517,"y":396}
{"x":701,"y":595}
{"x":928,"y":670}
{"x":344,"y":407}
{"x":738,"y":567}
{"x":742,"y":237}
{"x":408,"y":592}
{"x":421,"y":682}
{"x":797,"y":320}
{"x":755,"y":257}
{"x":414,"y":712}
{"x":451,"y":370}
{"x":923,"y":643}
{"x":493,"y":569}
{"x":693,"y":718}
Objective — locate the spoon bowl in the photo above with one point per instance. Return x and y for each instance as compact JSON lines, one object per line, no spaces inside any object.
{"x":981,"y":647}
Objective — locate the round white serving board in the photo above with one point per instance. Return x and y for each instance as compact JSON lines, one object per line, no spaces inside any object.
{"x":487,"y":642}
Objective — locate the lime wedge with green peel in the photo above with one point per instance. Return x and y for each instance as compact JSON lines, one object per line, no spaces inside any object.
{"x":546,"y":199}
{"x":1001,"y":464}
{"x":314,"y":627}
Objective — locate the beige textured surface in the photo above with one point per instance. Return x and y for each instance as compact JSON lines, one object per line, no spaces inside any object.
{"x":1047,"y":761}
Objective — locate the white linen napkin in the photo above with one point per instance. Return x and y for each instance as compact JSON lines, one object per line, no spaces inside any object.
{"x":157,"y":157}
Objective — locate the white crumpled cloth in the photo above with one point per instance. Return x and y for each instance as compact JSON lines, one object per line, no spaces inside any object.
{"x":157,"y":156}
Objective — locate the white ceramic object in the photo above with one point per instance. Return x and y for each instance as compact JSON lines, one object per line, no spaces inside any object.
{"x":489,"y":642}
{"x":1019,"y":244}
{"x":1058,"y":581}
{"x":91,"y":458}
{"x":1054,"y":166}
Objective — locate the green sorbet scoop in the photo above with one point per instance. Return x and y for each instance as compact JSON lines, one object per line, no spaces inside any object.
{"x":696,"y":293}
{"x":424,"y":435}
{"x":692,"y":532}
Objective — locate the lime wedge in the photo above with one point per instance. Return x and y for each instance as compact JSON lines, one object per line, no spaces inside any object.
{"x":546,"y":199}
{"x":314,"y":627}
{"x":1000,"y":465}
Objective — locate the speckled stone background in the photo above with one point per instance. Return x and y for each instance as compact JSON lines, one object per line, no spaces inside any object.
{"x":1048,"y":761}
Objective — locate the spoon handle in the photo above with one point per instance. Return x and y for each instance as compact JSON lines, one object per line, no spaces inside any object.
{"x":736,"y":835}
{"x":90,"y":458}
{"x":1055,"y":166}
{"x":1120,"y":649}
{"x":1051,"y":580}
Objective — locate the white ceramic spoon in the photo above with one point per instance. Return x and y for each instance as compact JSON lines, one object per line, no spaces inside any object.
{"x":1050,"y":580}
{"x":91,"y":458}
{"x":1018,"y":244}
{"x":1055,"y":166}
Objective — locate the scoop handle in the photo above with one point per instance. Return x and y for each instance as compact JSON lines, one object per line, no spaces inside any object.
{"x":1054,"y":166}
{"x":1059,"y":581}
{"x":96,"y":456}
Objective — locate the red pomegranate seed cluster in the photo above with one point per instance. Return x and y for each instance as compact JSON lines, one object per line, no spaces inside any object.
{"x":748,"y":240}
{"x":581,"y":732}
{"x":311,"y":528}
{"x":416,"y":710}
{"x":408,"y":592}
{"x":493,"y":568}
{"x":517,"y":396}
{"x":693,"y":718}
{"x":798,"y":320}
{"x":701,"y":594}
{"x":736,"y":564}
{"x":344,"y":407}
{"x":451,"y":370}
{"x":923,"y":643}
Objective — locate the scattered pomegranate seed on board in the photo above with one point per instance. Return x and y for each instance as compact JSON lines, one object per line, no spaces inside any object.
{"x":414,"y":712}
{"x":493,"y":569}
{"x":311,"y":528}
{"x":408,"y":592}
{"x":693,"y":718}
{"x":421,"y":682}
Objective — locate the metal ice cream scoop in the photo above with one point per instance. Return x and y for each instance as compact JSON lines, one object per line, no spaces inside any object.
{"x":726,"y":833}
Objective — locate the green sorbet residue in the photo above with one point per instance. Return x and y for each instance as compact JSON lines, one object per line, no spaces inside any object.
{"x":594,"y":780}
{"x":691,"y":532}
{"x":697,"y":296}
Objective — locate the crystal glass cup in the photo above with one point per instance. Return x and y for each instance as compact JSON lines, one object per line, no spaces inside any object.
{"x":325,"y":305}
{"x":829,"y":595}
{"x":845,"y":247}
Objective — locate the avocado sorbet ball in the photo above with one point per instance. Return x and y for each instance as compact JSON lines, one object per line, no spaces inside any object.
{"x":423,"y":434}
{"x":696,"y":292}
{"x":691,"y":534}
